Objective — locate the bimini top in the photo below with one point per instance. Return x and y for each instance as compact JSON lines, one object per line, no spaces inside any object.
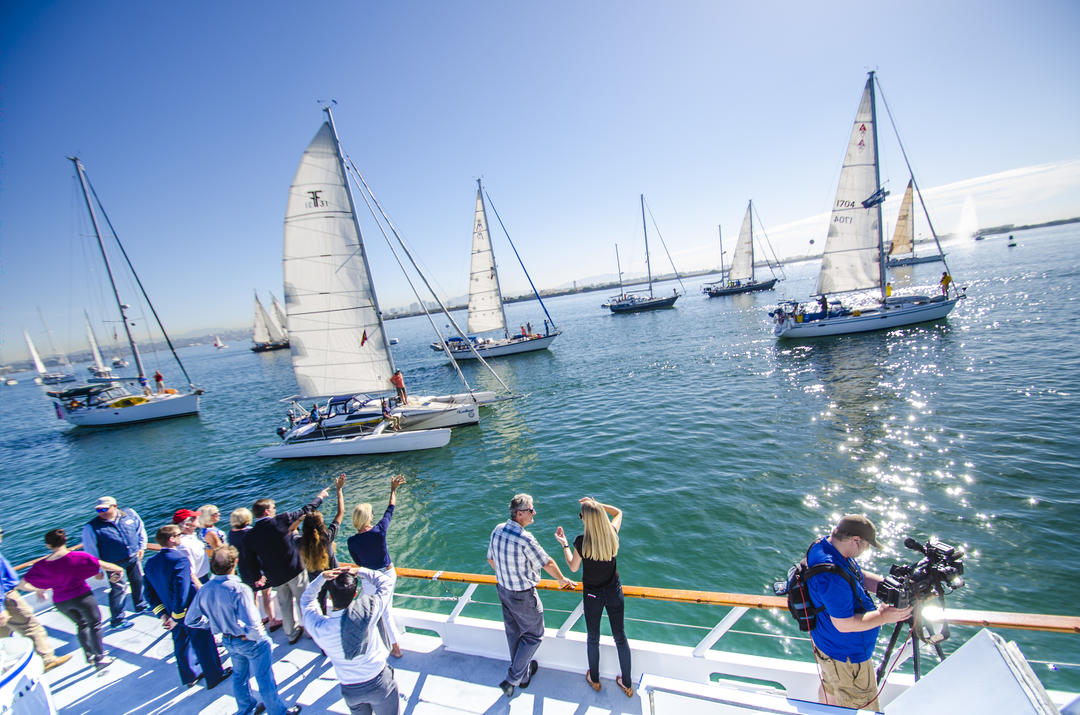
{"x":81,"y":391}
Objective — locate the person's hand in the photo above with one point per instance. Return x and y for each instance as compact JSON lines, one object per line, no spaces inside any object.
{"x":582,"y":500}
{"x":565,"y":583}
{"x":167,"y":622}
{"x":140,"y":553}
{"x":340,"y":481}
{"x":41,"y":595}
{"x":261,"y":582}
{"x":3,"y":618}
{"x":323,"y":494}
{"x":560,"y":536}
{"x":890,"y":614}
{"x":397,"y":481}
{"x":114,"y":577}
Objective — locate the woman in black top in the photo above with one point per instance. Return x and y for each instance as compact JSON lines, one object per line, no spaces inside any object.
{"x":600,"y":586}
{"x":317,"y":549}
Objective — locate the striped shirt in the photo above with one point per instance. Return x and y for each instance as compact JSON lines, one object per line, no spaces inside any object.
{"x":517,"y":555}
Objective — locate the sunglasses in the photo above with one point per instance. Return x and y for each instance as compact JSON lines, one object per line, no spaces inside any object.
{"x":102,"y":510}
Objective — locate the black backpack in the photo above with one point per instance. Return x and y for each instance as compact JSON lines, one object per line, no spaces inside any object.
{"x":795,"y":588}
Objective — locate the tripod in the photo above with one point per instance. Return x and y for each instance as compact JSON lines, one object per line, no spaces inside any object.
{"x":927,"y":636}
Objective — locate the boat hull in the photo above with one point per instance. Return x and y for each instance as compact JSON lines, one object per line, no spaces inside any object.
{"x":637,"y":306}
{"x":876,"y":319}
{"x":760,"y":285}
{"x":381,"y":443}
{"x":915,"y":260}
{"x":267,"y":347}
{"x":159,"y":407}
{"x":498,"y":348}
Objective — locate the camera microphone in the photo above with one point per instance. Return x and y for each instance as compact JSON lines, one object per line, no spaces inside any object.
{"x":914,"y":545}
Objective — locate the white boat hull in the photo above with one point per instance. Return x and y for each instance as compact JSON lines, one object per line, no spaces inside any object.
{"x":374,"y":443}
{"x":498,"y":348}
{"x":157,"y":407}
{"x":866,"y":321}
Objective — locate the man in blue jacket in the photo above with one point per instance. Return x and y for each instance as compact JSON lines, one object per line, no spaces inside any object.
{"x":170,"y":590}
{"x":847,"y":630}
{"x":118,"y":536}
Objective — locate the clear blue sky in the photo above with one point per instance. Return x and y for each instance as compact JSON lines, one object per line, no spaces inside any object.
{"x":191,"y":117}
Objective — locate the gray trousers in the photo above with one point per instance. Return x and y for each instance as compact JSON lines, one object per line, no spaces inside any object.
{"x":288,"y":598}
{"x":378,"y":696}
{"x":523,"y":617}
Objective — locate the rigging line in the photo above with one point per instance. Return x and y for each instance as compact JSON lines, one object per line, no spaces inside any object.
{"x":664,"y":244}
{"x":533,"y":286}
{"x":412,"y":260}
{"x":146,"y":297}
{"x":911,"y":173}
{"x":769,"y":244}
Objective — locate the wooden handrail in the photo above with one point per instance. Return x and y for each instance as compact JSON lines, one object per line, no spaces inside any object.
{"x":955,"y":616}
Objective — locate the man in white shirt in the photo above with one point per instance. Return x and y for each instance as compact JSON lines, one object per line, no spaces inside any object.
{"x":352,"y":636}
{"x":191,"y":545}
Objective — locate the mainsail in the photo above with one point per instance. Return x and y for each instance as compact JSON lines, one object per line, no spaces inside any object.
{"x":266,"y":329}
{"x":485,"y":298}
{"x":335,"y":328}
{"x":742,"y":265}
{"x":852,"y":256}
{"x":903,"y":240}
{"x":279,"y":315}
{"x":38,"y":365}
{"x":98,"y":362}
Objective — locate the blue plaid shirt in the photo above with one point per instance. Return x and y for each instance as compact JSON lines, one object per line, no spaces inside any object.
{"x":517,"y":555}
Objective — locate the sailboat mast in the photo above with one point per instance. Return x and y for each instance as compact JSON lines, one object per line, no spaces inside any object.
{"x":720,"y":235}
{"x":108,"y":268}
{"x":359,"y":234}
{"x":645,"y":230}
{"x":750,"y":211}
{"x":618,"y":266}
{"x":877,"y":187}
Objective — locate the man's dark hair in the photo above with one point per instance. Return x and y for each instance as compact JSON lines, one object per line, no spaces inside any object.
{"x":342,"y":590}
{"x":223,"y":560}
{"x":56,"y":538}
{"x":165,"y":533}
{"x":261,"y":507}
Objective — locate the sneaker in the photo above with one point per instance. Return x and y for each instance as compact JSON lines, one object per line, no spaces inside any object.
{"x":225,"y":673}
{"x":121,"y":625}
{"x":533,"y":667}
{"x":142,"y":607}
{"x":56,"y":661}
{"x":507,"y":688}
{"x":294,"y":710}
{"x":103,"y":661}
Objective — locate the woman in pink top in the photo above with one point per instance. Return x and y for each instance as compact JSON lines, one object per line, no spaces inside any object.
{"x":65,"y":572}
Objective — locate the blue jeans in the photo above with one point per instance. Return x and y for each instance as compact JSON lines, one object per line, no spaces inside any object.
{"x":378,"y":696}
{"x":253,"y":658}
{"x":523,"y":617}
{"x":134,"y":572}
{"x":595,"y":600}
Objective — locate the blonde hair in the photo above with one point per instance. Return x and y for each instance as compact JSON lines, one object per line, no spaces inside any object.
{"x":361,"y":516}
{"x":206,"y":512}
{"x":601,"y":541}
{"x":240,"y":517}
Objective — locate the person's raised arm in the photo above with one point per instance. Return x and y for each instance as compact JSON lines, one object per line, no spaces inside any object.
{"x":615,"y":513}
{"x":573,"y":558}
{"x":395,"y":482}
{"x":339,"y":484}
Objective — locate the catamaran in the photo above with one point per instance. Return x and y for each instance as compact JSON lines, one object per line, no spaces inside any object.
{"x":635,"y":301}
{"x":854,"y":257}
{"x":740,"y":277}
{"x":903,"y":241}
{"x":486,"y":311}
{"x":340,"y":351}
{"x":268,"y":333}
{"x":109,"y":402}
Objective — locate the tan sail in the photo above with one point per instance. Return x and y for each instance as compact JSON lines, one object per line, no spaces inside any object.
{"x":903,"y":240}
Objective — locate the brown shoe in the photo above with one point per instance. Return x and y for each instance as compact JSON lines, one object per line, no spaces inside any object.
{"x":628,"y":689}
{"x":594,"y":685}
{"x":297,"y":635}
{"x":58,"y":660}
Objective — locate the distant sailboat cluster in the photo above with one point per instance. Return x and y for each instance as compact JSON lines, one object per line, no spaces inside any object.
{"x":270,"y":331}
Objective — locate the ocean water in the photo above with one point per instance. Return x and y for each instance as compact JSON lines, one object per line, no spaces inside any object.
{"x":728,"y":451}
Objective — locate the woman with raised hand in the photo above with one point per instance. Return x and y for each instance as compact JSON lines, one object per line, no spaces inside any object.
{"x":600,"y":586}
{"x":368,"y":549}
{"x":317,"y":549}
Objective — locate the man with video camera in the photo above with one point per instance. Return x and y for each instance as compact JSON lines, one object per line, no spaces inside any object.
{"x":844,"y":640}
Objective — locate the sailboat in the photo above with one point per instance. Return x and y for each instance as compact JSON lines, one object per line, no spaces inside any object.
{"x":740,"y":278}
{"x":340,"y":351}
{"x":486,"y":311}
{"x":108,"y":402}
{"x":632,"y":302}
{"x":279,"y":316}
{"x":218,"y":344}
{"x":267,"y":334}
{"x":98,"y":369}
{"x":854,"y":257}
{"x":44,"y":376}
{"x":903,"y":241}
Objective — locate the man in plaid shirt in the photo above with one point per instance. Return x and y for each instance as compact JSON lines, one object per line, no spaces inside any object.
{"x":517,"y":558}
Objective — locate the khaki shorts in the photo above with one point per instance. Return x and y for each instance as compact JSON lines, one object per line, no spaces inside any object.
{"x":849,"y":685}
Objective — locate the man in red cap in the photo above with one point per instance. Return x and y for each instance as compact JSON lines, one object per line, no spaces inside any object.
{"x":191,"y":545}
{"x":846,"y":631}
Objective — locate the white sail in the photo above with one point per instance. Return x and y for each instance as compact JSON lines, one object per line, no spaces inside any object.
{"x":98,"y":363}
{"x":903,"y":240}
{"x":485,"y":298}
{"x":38,"y":365}
{"x":335,"y":329}
{"x":266,"y":330}
{"x":852,"y":256}
{"x":279,"y":315}
{"x":742,"y":265}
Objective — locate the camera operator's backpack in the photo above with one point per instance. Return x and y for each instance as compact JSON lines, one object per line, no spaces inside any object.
{"x":797,"y":591}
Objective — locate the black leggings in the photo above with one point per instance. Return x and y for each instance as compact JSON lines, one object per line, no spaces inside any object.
{"x":84,"y":611}
{"x":595,"y":601}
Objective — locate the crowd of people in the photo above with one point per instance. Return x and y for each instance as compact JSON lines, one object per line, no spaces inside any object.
{"x":208,"y":587}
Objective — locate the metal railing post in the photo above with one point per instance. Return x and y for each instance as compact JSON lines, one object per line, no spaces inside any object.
{"x":462,"y":602}
{"x":719,"y":630}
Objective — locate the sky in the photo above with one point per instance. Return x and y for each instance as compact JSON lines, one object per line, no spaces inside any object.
{"x":191,"y":117}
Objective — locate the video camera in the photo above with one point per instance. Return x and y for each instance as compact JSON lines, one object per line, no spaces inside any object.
{"x":941,"y":569}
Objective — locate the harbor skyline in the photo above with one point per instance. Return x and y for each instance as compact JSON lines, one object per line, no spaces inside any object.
{"x":191,"y":132}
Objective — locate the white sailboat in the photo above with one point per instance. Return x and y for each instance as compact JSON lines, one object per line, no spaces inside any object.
{"x":219,"y":344}
{"x":267,"y":333}
{"x":903,"y":241}
{"x":279,"y":316}
{"x":44,"y":376}
{"x":740,"y":277}
{"x":854,"y":259}
{"x":486,"y":311}
{"x":109,"y":402}
{"x":98,"y":369}
{"x":632,"y":301}
{"x":340,"y":350}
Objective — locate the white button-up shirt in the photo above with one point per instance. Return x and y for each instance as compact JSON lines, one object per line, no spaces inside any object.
{"x":326,"y":630}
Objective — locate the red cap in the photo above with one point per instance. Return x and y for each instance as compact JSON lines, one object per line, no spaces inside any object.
{"x":183,"y":514}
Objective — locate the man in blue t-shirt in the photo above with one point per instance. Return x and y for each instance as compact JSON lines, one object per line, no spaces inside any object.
{"x":846,"y":631}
